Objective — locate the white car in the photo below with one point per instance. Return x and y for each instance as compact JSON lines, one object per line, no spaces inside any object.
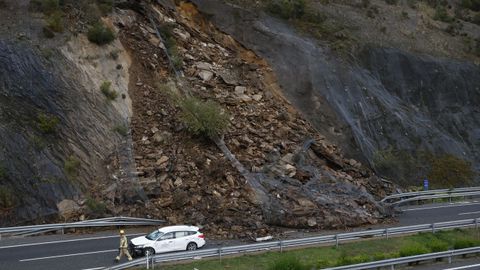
{"x":167,"y":239}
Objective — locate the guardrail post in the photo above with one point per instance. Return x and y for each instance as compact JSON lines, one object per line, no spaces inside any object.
{"x":281,"y":246}
{"x":433,"y":227}
{"x":148,"y":260}
{"x":336,"y":240}
{"x":386,"y":233}
{"x":476,"y":225}
{"x":392,"y":267}
{"x":220,"y":253}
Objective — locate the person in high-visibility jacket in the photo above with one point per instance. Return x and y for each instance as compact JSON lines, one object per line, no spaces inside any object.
{"x":123,"y":250}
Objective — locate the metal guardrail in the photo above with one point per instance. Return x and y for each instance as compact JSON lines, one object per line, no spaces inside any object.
{"x":103,"y":222}
{"x":400,"y":196}
{"x":280,"y":245}
{"x":405,"y":260}
{"x":438,"y":196}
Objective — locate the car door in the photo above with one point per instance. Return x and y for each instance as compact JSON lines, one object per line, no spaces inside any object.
{"x":165,"y":243}
{"x":181,"y":240}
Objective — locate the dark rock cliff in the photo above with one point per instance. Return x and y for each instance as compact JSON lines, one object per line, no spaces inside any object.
{"x":384,"y":98}
{"x":45,"y":161}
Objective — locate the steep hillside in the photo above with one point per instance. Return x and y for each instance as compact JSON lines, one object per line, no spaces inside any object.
{"x":378,"y":98}
{"x":94,"y":113}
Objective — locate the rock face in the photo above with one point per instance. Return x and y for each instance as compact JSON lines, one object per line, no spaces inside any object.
{"x":50,"y":145}
{"x":387,"y":98}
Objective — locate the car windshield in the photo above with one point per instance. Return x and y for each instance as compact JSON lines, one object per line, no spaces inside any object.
{"x":154,"y":235}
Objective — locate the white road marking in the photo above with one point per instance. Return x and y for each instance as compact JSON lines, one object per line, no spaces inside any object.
{"x":66,"y":241}
{"x":68,"y":255}
{"x":463,"y":267}
{"x":438,"y":207}
{"x":97,"y":268}
{"x":469,"y":213}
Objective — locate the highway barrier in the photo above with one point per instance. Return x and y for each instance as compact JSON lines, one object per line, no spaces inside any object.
{"x":412,"y":259}
{"x":302,"y":242}
{"x":103,"y":222}
{"x":406,"y":195}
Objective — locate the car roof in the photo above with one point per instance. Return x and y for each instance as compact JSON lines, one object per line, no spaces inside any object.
{"x":178,"y":228}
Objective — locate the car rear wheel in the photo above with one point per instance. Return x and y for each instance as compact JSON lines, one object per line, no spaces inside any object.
{"x":149,"y":251}
{"x":192,"y":246}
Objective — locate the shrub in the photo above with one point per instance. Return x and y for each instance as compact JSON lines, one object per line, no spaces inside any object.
{"x":442,"y":15}
{"x":107,"y":92}
{"x":96,"y":208}
{"x":203,"y":117}
{"x":471,"y":4}
{"x":71,"y":166}
{"x":391,"y":2}
{"x":47,"y":124}
{"x":7,"y":198}
{"x":347,"y":260}
{"x":464,"y":243}
{"x":122,"y":130}
{"x":55,"y":22}
{"x":476,"y":19}
{"x":450,"y":171}
{"x":46,"y":6}
{"x":413,"y":249}
{"x":437,"y":245}
{"x":287,"y":9}
{"x":100,"y":34}
{"x":288,"y":263}
{"x":105,"y":6}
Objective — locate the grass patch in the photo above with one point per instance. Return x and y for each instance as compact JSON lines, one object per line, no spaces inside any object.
{"x":7,"y":198}
{"x":55,"y":22}
{"x":47,"y":123}
{"x":348,"y":253}
{"x":106,"y":90}
{"x":71,"y":167}
{"x":100,"y":34}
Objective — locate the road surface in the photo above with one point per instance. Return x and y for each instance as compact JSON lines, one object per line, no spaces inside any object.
{"x":95,"y":251}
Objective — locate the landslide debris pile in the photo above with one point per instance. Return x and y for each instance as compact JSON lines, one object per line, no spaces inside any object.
{"x":307,"y":183}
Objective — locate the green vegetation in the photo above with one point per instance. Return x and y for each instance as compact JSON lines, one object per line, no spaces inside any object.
{"x":391,"y":2}
{"x":471,"y":4}
{"x":106,"y":90}
{"x":166,"y":30}
{"x":47,"y":123}
{"x":46,"y":6}
{"x":315,"y":23}
{"x":55,"y":22}
{"x":449,"y":171}
{"x":409,"y":168}
{"x":348,"y":253}
{"x":287,"y":9}
{"x":71,"y":167}
{"x":7,"y":198}
{"x":441,"y":14}
{"x":95,"y":207}
{"x":105,"y":6}
{"x":121,"y":129}
{"x":413,"y":249}
{"x":288,"y":263}
{"x":100,"y":34}
{"x":203,"y":117}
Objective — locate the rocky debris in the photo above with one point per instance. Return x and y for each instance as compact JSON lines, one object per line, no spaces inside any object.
{"x":188,"y":180}
{"x":68,"y":209}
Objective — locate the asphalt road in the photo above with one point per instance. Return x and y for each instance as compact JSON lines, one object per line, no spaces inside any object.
{"x":95,"y":251}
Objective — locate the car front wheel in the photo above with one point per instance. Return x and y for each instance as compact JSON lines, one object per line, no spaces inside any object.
{"x":149,"y":251}
{"x":192,"y":246}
